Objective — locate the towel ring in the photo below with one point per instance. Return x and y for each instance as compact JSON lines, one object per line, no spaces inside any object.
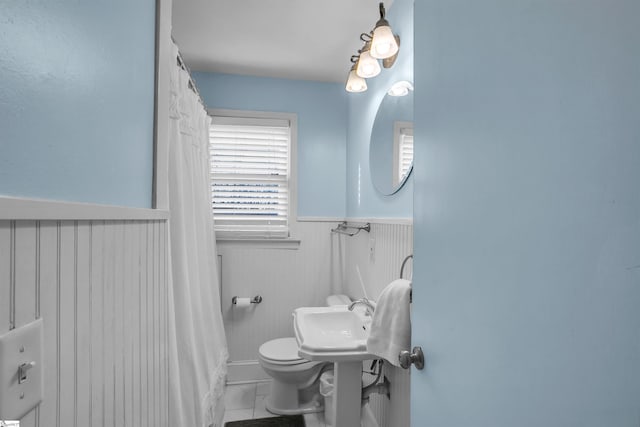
{"x":403,"y":264}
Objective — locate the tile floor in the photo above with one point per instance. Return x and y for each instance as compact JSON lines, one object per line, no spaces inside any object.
{"x":246,"y":401}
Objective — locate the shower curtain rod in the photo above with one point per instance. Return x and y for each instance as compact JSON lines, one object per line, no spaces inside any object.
{"x":183,"y":65}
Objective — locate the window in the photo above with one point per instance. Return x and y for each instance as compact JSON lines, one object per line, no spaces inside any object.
{"x":252,"y":179}
{"x":402,"y":150}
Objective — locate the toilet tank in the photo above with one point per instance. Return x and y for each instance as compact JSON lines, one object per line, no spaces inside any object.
{"x":338,"y":300}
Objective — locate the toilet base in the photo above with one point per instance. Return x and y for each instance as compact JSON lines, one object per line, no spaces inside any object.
{"x":309,"y":408}
{"x":287,"y":399}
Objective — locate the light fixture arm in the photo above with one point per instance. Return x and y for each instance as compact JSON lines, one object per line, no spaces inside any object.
{"x":382,"y":21}
{"x":366,"y":37}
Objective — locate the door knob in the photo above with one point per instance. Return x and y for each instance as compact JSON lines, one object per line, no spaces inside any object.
{"x":416,"y":357}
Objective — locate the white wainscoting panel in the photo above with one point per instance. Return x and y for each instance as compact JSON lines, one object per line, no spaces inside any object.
{"x":379,"y":255}
{"x":101,"y":289}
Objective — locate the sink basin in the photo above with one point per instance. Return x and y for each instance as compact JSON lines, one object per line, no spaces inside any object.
{"x":332,"y":334}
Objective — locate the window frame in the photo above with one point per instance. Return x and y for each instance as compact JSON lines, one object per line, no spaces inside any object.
{"x":399,"y":129}
{"x":292,"y":118}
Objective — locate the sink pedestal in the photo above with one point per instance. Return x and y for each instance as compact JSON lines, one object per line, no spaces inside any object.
{"x":338,"y":335}
{"x":347,"y":393}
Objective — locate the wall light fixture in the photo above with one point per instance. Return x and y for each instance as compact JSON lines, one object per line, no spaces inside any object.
{"x":355,"y":83}
{"x":380,"y":43}
{"x":368,"y":66}
{"x":384,"y":43}
{"x":400,"y":88}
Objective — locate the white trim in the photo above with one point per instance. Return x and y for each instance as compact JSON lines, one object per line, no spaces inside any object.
{"x":321,"y":219}
{"x":261,"y":243}
{"x":224,"y":112}
{"x":244,"y":371}
{"x":39,"y":209}
{"x":164,"y":62}
{"x":236,"y":120}
{"x":394,"y":221}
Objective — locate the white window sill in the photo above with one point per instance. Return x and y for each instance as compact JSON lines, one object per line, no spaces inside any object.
{"x":288,"y":243}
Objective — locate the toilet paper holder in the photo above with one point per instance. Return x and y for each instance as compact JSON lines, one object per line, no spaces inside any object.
{"x":255,"y":300}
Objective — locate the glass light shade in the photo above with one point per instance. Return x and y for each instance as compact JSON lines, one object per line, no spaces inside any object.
{"x":384,"y":44}
{"x":368,"y":66}
{"x":400,"y":88}
{"x":355,"y":83}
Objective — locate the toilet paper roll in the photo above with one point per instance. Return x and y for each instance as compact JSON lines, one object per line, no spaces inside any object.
{"x":243,"y":302}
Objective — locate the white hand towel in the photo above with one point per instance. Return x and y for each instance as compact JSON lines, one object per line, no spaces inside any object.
{"x":391,"y":326}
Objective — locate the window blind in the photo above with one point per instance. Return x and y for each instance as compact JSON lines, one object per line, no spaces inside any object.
{"x":405,"y":156}
{"x":250,"y":176}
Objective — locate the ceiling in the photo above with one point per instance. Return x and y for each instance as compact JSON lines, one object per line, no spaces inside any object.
{"x":294,"y":39}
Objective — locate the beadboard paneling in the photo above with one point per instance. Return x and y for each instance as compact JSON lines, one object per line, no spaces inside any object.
{"x":391,"y":243}
{"x":101,"y":289}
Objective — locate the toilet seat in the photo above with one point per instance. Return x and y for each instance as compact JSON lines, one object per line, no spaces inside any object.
{"x":281,"y":351}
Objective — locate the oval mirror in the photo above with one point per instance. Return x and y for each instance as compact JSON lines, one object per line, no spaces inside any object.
{"x":391,"y":145}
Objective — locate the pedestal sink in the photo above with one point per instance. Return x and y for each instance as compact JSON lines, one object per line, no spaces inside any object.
{"x":335,"y":334}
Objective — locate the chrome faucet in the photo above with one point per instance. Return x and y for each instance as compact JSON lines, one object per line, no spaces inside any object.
{"x":364,"y":301}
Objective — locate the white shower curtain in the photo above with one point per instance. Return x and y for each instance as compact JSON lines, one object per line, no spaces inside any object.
{"x":198,"y":348}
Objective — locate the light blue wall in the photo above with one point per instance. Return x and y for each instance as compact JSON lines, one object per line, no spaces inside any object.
{"x":527,"y":213}
{"x":76,"y":100}
{"x":322,"y":119}
{"x":363,"y":200}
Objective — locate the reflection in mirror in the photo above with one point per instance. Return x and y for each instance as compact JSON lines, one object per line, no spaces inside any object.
{"x":391,"y":145}
{"x":402,"y":151}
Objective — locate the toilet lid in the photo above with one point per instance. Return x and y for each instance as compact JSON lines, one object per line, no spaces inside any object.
{"x":281,"y":349}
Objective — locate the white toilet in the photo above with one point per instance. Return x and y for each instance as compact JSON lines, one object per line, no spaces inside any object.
{"x":294,"y":388}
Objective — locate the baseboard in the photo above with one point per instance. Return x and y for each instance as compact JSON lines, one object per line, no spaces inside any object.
{"x":245,"y":371}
